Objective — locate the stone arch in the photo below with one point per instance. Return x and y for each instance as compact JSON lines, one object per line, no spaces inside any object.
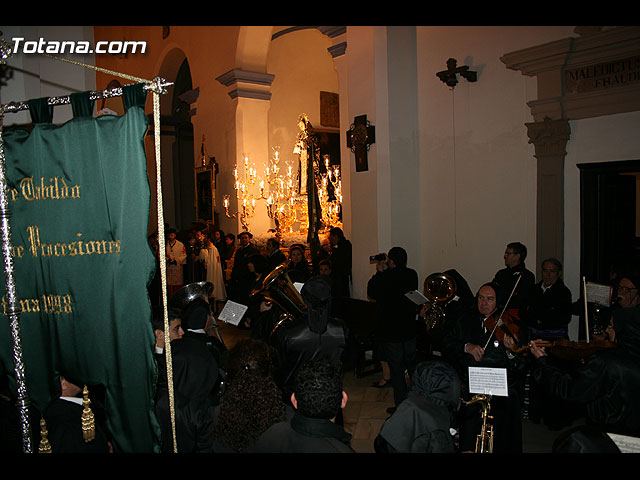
{"x":253,"y":47}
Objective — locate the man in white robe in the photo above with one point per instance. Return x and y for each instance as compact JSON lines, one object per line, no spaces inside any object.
{"x":176,"y":258}
{"x":213,"y":264}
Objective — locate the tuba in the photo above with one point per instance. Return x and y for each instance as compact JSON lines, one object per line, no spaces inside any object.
{"x":278,"y":288}
{"x":484,"y":440}
{"x":439,"y":288}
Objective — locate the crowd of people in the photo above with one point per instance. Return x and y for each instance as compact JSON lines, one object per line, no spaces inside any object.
{"x":512,"y":323}
{"x":280,"y":389}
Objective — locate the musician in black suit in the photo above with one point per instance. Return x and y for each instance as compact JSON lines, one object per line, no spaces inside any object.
{"x":275,"y":256}
{"x":505,"y":279}
{"x":473,"y":344}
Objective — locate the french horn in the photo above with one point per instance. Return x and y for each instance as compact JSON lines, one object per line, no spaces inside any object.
{"x":277,"y":288}
{"x":439,"y":288}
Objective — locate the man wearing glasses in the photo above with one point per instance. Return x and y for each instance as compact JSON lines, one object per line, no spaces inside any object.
{"x":514,"y":256}
{"x":627,"y":293}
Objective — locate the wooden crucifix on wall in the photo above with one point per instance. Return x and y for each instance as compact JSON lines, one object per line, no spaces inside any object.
{"x":359,"y":137}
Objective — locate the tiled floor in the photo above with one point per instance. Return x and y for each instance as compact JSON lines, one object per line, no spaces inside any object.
{"x":365,"y":411}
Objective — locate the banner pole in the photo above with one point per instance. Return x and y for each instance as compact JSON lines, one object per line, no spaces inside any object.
{"x":13,"y":307}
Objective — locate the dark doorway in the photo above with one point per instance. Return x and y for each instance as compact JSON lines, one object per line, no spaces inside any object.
{"x":609,"y":208}
{"x":183,"y":151}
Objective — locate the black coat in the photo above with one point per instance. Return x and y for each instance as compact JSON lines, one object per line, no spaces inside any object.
{"x":299,"y":272}
{"x":547,"y":310}
{"x":506,"y":410}
{"x":194,"y":379}
{"x":303,"y":435}
{"x":341,"y":260}
{"x":294,"y":343}
{"x":275,"y":259}
{"x":64,"y":425}
{"x":422,"y":422}
{"x":396,"y":314}
{"x":506,"y":279}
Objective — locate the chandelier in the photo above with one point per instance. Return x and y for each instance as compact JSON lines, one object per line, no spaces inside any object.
{"x":330,"y":194}
{"x":246,"y":201}
{"x":281,"y":187}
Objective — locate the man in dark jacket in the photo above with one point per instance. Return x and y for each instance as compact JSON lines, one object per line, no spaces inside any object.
{"x":422,"y":423}
{"x":275,"y":256}
{"x":505,"y":279}
{"x":472,"y":344}
{"x":546,"y":315}
{"x":241,"y":279}
{"x":396,"y":319}
{"x":341,"y":259}
{"x":547,"y":310}
{"x":194,"y":378}
{"x":317,"y":398}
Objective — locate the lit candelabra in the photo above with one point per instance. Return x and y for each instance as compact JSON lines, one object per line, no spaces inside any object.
{"x":330,"y":194}
{"x":246,"y":201}
{"x":281,"y":198}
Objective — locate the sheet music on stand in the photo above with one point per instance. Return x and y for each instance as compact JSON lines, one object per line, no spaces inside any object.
{"x":416,"y":297}
{"x":625,"y":443}
{"x":232,"y":313}
{"x":488,"y":381}
{"x":599,"y":293}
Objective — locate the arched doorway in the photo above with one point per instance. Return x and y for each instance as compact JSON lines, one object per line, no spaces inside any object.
{"x":183,"y":150}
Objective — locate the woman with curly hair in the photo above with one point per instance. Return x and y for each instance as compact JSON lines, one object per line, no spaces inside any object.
{"x":252,"y":401}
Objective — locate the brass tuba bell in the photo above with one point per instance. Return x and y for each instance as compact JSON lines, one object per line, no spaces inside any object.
{"x":439,"y":288}
{"x":187,"y":294}
{"x":278,"y":288}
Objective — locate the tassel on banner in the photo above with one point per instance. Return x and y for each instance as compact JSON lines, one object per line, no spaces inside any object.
{"x":88,"y":419}
{"x":45,"y":446}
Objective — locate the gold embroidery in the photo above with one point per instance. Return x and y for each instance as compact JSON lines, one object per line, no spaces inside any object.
{"x":71,"y":249}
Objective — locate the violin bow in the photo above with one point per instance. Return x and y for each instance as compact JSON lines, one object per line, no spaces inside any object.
{"x":504,"y":309}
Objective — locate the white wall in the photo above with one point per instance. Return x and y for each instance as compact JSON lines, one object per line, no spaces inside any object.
{"x":478,"y":173}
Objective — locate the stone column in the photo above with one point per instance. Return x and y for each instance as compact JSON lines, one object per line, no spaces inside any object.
{"x":252,"y":93}
{"x":549,"y":138}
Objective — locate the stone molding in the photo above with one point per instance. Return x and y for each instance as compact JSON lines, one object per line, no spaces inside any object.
{"x":550,"y":63}
{"x":549,"y":137}
{"x":247,"y":84}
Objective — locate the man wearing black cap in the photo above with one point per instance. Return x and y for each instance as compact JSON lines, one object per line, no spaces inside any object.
{"x":396,"y":321}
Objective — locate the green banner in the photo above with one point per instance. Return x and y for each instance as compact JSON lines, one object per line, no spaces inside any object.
{"x":79,"y":199}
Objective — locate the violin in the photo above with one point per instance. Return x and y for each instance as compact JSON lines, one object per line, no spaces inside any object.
{"x":502,"y":325}
{"x":569,"y":350}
